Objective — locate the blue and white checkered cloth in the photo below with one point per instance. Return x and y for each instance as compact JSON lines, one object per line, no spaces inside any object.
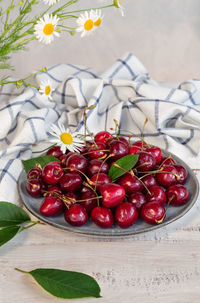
{"x":125,"y":92}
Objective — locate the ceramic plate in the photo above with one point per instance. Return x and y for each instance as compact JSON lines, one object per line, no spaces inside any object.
{"x":173,"y":213}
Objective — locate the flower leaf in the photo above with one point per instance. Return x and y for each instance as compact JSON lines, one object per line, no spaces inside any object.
{"x":31,"y":163}
{"x":66,"y":284}
{"x":11,"y":215}
{"x":7,"y":233}
{"x":126,"y":163}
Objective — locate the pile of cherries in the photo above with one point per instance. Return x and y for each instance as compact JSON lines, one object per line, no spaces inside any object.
{"x":78,"y":184}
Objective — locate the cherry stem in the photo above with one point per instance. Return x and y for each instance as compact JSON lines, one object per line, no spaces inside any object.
{"x":133,"y":175}
{"x":142,"y":133}
{"x":126,"y":171}
{"x":100,"y":169}
{"x":93,"y":198}
{"x":94,"y":191}
{"x":100,"y":150}
{"x":145,"y":163}
{"x":117,"y":129}
{"x":169,"y":157}
{"x":158,"y":172}
{"x":168,"y":204}
{"x":69,"y":168}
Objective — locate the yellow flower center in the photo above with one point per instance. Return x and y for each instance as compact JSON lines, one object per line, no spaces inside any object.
{"x":66,"y":138}
{"x":47,"y":90}
{"x":98,"y":22}
{"x":88,"y":25}
{"x":48,"y":29}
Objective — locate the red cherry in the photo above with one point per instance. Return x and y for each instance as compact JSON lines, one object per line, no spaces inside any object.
{"x":102,"y":217}
{"x":118,"y":149}
{"x":141,"y":144}
{"x":182,"y":173}
{"x":55,"y":151}
{"x":138,"y":199}
{"x":52,"y":172}
{"x":146,"y":161}
{"x":99,"y":179}
{"x":70,"y":182}
{"x":34,"y":173}
{"x":156,"y":152}
{"x":134,"y":149}
{"x":123,"y":140}
{"x":149,"y":180}
{"x":130,"y":183}
{"x":177,"y":194}
{"x":152,"y":213}
{"x":85,"y":148}
{"x":76,"y":215}
{"x":97,"y":151}
{"x":89,"y":202}
{"x":63,"y":158}
{"x":71,"y":195}
{"x":112,"y":194}
{"x":85,"y":189}
{"x":126,"y":214}
{"x":34,"y":187}
{"x":53,"y":189}
{"x":77,"y":162}
{"x":156,"y":194}
{"x":167,"y":176}
{"x":96,"y":166}
{"x":51,"y":206}
{"x":103,"y":137}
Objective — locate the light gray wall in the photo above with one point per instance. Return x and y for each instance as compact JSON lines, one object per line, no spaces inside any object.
{"x":163,"y":34}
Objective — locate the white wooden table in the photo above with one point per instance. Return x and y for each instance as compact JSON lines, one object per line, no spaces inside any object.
{"x":160,"y":266}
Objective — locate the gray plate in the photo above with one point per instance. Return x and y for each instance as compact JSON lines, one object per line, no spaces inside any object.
{"x":173,"y":213}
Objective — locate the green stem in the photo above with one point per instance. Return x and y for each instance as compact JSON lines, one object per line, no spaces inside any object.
{"x":22,"y":271}
{"x":88,"y":9}
{"x":40,"y":151}
{"x":8,"y":13}
{"x":31,"y":85}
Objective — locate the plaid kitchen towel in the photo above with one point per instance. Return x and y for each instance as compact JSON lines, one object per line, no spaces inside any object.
{"x":125,"y":92}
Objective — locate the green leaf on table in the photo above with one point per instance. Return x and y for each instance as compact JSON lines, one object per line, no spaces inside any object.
{"x":124,"y":164}
{"x":7,"y":233}
{"x":11,"y":214}
{"x":65,"y":284}
{"x":31,"y":163}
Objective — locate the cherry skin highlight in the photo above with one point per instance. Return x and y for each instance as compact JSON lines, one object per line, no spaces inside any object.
{"x":76,"y":215}
{"x":126,"y":214}
{"x":102,"y":217}
{"x":152,"y":213}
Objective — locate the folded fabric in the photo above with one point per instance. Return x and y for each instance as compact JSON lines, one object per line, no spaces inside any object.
{"x":124,"y":92}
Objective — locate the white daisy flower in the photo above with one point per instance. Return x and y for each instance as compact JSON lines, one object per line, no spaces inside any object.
{"x":97,"y":15}
{"x":50,"y":2}
{"x":46,"y":89}
{"x":65,"y":139}
{"x":45,"y":28}
{"x":118,"y":4}
{"x":86,"y":22}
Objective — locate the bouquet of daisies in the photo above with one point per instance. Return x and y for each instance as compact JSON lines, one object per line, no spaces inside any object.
{"x":18,"y":27}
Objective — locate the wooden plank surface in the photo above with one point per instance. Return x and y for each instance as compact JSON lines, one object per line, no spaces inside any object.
{"x":160,"y":266}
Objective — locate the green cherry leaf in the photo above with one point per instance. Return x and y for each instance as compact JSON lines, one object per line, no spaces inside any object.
{"x":31,"y":163}
{"x":126,"y":163}
{"x":65,"y":284}
{"x":7,"y":233}
{"x":11,"y":214}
